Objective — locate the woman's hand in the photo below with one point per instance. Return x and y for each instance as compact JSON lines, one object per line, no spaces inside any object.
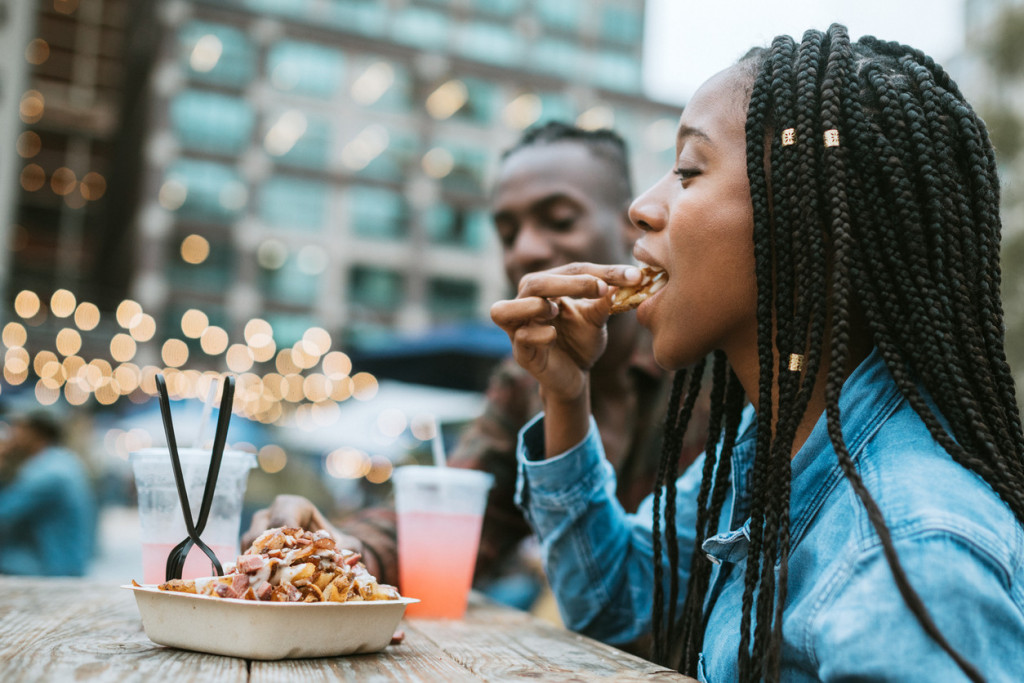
{"x":557,"y":327}
{"x":557,"y":323}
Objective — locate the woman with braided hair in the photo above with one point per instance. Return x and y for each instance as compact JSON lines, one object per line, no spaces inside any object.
{"x":830,"y":236}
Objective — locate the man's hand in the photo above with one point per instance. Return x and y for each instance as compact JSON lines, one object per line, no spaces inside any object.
{"x":296,"y":511}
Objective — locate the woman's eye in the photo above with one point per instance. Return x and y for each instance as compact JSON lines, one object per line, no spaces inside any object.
{"x":686,"y":173}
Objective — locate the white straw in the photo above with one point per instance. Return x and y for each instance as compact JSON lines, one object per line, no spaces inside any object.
{"x":207,"y":409}
{"x":437,"y":446}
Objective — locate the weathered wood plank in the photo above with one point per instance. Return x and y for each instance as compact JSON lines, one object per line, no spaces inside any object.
{"x":532,"y":649}
{"x":69,"y":629}
{"x":417,"y":658}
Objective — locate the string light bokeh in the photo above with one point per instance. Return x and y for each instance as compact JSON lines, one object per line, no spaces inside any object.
{"x":300,"y":386}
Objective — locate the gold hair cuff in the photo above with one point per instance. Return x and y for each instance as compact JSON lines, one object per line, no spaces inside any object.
{"x":789,"y":137}
{"x":832,"y":138}
{"x":796,"y":362}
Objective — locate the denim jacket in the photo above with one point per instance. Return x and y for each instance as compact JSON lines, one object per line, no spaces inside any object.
{"x":844,"y":619}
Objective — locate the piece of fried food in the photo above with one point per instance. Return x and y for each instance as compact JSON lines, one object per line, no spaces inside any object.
{"x":179,"y":586}
{"x":292,"y":565}
{"x":628,"y":298}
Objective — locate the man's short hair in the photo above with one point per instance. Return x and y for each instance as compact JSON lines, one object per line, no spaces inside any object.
{"x":42,"y":423}
{"x":603,"y":143}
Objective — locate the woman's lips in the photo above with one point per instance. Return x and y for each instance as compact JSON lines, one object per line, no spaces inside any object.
{"x":643,"y":311}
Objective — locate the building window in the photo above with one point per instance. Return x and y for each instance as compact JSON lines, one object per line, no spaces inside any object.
{"x":564,"y":15}
{"x":368,"y":17}
{"x":216,"y":54}
{"x":377,"y":213}
{"x":376,"y":289}
{"x":449,"y":299}
{"x":466,"y":99}
{"x":622,"y":25}
{"x":305,"y":68}
{"x":381,"y":85}
{"x":211,"y":122}
{"x":558,"y":57}
{"x":203,"y":191}
{"x":290,"y":283}
{"x":422,"y":28}
{"x":289,"y":327}
{"x":214,"y":274}
{"x":615,"y":71}
{"x":293,"y":204}
{"x":390,"y":162}
{"x":455,"y":226}
{"x":297,"y":138}
{"x":287,"y":8}
{"x":468,"y":168}
{"x":499,"y":8}
{"x":556,"y":107}
{"x":492,"y":43}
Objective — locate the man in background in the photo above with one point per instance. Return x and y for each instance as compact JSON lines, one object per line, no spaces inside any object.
{"x":562,"y":195}
{"x":47,"y":509}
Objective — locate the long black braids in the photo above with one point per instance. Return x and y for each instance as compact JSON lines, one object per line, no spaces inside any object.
{"x":686,"y":387}
{"x":875,"y":203}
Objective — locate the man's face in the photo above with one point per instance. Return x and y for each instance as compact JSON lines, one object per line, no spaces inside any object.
{"x":558,"y":203}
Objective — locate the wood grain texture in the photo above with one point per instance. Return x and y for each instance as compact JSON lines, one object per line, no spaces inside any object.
{"x":71,"y":629}
{"x":74,"y":630}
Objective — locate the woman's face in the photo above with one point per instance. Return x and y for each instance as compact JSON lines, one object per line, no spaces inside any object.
{"x":698,"y":225}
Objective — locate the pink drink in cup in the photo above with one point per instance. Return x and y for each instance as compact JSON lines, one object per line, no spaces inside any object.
{"x":440,"y":513}
{"x":160,"y":516}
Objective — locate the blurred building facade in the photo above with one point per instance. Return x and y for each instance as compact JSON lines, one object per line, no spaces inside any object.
{"x":200,"y":185}
{"x":327,"y":162}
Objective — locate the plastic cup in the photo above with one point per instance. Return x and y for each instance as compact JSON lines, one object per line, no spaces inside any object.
{"x":440,"y":512}
{"x":161,"y":518}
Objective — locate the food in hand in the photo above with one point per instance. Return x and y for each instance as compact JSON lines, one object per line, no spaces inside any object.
{"x":291,"y":565}
{"x":629,"y":297}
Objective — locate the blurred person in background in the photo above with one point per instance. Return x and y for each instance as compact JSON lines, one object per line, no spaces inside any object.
{"x":562,"y":194}
{"x":47,"y":508}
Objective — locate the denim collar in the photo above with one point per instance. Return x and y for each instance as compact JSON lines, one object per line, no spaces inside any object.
{"x":868,"y":398}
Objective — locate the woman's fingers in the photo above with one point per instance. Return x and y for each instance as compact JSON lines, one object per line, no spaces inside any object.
{"x":511,"y":314}
{"x":552,"y":285}
{"x":618,"y":275}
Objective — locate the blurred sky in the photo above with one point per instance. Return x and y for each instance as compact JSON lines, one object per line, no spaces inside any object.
{"x":687,"y":41}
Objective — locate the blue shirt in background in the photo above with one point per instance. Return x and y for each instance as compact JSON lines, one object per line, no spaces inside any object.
{"x":47,"y":517}
{"x":844,"y":619}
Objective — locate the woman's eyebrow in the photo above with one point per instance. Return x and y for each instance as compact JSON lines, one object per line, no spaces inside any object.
{"x":691,"y":132}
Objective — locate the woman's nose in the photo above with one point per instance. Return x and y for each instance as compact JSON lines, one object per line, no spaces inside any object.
{"x":648,"y":211}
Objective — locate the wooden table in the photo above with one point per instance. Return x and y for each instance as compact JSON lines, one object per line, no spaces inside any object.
{"x":76,"y":630}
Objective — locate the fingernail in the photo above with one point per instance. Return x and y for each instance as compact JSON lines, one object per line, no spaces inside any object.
{"x":631,"y":273}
